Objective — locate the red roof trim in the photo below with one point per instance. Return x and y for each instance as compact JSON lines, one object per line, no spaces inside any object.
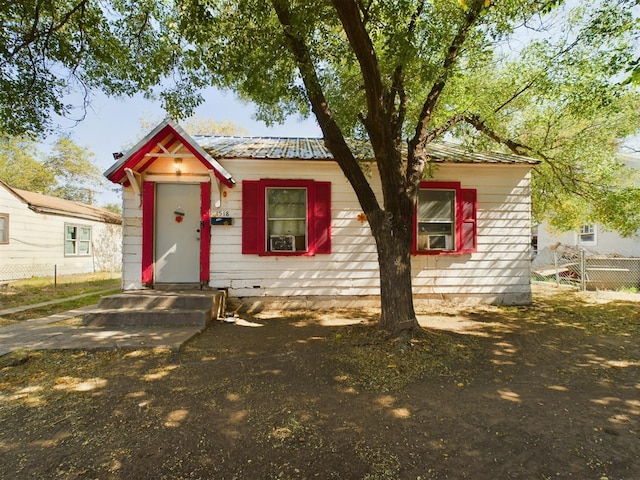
{"x":119,"y":175}
{"x":203,"y":160}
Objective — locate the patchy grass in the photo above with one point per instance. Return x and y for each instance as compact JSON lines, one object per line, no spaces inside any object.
{"x":371,"y":361}
{"x":39,"y":290}
{"x":47,"y":310}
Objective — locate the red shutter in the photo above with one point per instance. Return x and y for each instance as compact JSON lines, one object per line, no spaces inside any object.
{"x":252,"y":212}
{"x":320,"y":242}
{"x":467,"y":225}
{"x":148,"y":209}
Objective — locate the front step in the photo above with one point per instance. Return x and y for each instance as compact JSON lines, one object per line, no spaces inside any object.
{"x":149,"y":308}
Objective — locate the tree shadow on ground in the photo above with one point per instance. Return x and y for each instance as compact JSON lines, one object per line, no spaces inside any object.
{"x":548,"y":391}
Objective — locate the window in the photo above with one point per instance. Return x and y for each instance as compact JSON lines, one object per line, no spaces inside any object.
{"x":4,"y":228}
{"x":286,"y":217}
{"x":436,"y":219}
{"x":77,"y":240}
{"x":587,"y":235}
{"x":445,"y":219}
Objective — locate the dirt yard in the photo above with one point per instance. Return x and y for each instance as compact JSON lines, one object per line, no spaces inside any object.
{"x":550,"y":391}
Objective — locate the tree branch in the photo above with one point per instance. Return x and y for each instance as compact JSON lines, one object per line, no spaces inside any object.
{"x":533,"y":80}
{"x":453,"y":52}
{"x":333,"y":137}
{"x":414,"y":18}
{"x":516,"y":94}
{"x":46,"y":33}
{"x":353,"y":26}
{"x":380,"y":106}
{"x":398,"y":112}
{"x":445,"y":127}
{"x":516,"y":148}
{"x":418,"y":157}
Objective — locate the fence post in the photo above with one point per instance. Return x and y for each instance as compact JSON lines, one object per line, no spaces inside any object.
{"x":55,"y":275}
{"x":555,"y":264}
{"x":583,"y":271}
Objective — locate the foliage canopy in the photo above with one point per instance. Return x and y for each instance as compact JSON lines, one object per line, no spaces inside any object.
{"x":67,"y":172}
{"x":49,"y":50}
{"x":540,"y":78}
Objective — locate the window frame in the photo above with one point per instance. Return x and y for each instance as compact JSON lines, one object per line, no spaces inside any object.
{"x":594,"y":232}
{"x":269,"y":236}
{"x":254,"y":216}
{"x":4,"y":239}
{"x":465,"y":219}
{"x":77,"y":241}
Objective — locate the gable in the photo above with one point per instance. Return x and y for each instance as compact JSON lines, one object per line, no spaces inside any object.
{"x":167,"y":148}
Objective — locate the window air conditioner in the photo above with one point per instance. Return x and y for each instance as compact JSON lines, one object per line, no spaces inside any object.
{"x":439,"y":242}
{"x":282,"y":243}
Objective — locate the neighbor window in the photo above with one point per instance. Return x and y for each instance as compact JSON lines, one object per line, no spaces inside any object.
{"x":4,"y":228}
{"x":286,"y":217}
{"x":445,"y":219}
{"x":77,"y":240}
{"x":587,"y":235}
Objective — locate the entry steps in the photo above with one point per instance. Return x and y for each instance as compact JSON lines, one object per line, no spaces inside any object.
{"x":158,"y":308}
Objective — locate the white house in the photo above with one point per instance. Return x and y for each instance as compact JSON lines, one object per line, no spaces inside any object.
{"x":593,"y":237}
{"x":275,"y":218}
{"x":42,"y":235}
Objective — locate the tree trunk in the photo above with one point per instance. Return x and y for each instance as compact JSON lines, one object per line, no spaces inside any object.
{"x":396,"y":294}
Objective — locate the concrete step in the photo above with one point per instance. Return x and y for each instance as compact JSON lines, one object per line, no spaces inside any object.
{"x":162,"y":301}
{"x":151,"y":308}
{"x":140,"y":317}
{"x":176,"y":287}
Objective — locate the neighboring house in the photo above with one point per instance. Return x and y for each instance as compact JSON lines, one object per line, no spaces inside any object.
{"x":42,"y":236}
{"x":593,"y":237}
{"x":275,"y":218}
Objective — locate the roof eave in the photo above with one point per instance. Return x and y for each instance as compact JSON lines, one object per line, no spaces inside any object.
{"x":64,"y":213}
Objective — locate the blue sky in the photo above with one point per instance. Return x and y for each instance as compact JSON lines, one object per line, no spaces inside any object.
{"x":114,"y":125}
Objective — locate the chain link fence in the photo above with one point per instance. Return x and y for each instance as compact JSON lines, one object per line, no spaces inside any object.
{"x":17,"y":272}
{"x":567,"y":265}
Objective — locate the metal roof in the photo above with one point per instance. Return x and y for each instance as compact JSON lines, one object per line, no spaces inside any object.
{"x":264,"y":147}
{"x":446,"y":152}
{"x":296,"y":148}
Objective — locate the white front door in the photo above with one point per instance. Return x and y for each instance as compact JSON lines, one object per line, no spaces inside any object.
{"x":177,"y":235}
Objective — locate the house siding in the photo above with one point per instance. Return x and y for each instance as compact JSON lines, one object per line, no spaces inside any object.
{"x":607,"y":242}
{"x":36,"y":243}
{"x":132,"y":240}
{"x":498,"y":272}
{"x":351,"y":269}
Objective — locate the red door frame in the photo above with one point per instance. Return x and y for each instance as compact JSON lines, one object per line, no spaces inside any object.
{"x":148,"y":232}
{"x":205,"y":232}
